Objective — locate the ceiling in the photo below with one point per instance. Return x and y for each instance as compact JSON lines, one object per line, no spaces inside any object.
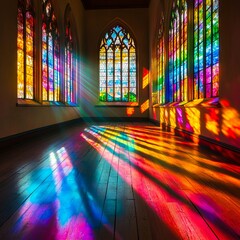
{"x":110,"y":4}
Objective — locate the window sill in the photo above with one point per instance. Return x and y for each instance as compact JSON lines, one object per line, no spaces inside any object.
{"x":156,"y":105}
{"x":32,"y":103}
{"x":58,"y":104}
{"x":27,"y":103}
{"x":204,"y":102}
{"x":117,"y":104}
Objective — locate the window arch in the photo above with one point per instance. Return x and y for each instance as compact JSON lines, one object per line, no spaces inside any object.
{"x":206,"y":48}
{"x":177,"y":85}
{"x":117,"y":66}
{"x":25,"y":50}
{"x":50,"y":54}
{"x":70,"y":67}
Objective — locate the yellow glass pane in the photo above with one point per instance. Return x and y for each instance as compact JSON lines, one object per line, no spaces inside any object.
{"x":102,"y":50}
{"x":132,"y":50}
{"x":29,"y":60}
{"x":20,"y":42}
{"x":29,"y":87}
{"x":44,"y":92}
{"x":56,"y":94}
{"x":20,"y":88}
{"x":20,"y":74}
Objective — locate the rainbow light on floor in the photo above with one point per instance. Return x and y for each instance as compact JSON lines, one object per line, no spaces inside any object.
{"x":147,"y":173}
{"x":164,"y":178}
{"x":178,"y":186}
{"x":60,"y":205}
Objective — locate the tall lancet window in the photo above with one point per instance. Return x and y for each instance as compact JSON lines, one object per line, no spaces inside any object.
{"x":25,"y":50}
{"x":117,"y":66}
{"x":177,"y":86}
{"x":206,"y":48}
{"x":70,"y":66}
{"x":50,"y":54}
{"x":160,"y":66}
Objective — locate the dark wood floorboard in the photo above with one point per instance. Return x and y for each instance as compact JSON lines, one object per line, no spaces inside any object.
{"x":116,"y":181}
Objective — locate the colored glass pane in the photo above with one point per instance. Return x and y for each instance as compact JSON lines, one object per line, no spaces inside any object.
{"x":70,"y":66}
{"x":50,"y":54}
{"x":159,"y":90}
{"x":29,"y":55}
{"x":56,"y":71}
{"x":44,"y":64}
{"x":20,"y":55}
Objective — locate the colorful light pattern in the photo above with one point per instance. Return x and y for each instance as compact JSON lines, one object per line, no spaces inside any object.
{"x":50,"y":54}
{"x":177,"y":91}
{"x":108,"y":178}
{"x":161,"y":182}
{"x":60,"y":211}
{"x":25,"y":53}
{"x":145,"y":81}
{"x":70,"y":82}
{"x":117,"y":67}
{"x":145,"y":106}
{"x":206,"y":48}
{"x":231,"y":124}
{"x":160,"y":66}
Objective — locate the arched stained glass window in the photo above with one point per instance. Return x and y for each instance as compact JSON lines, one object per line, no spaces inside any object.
{"x":25,"y":50}
{"x":177,"y":87}
{"x":206,"y":48}
{"x":117,"y":66}
{"x":160,"y":66}
{"x":70,"y":66}
{"x":50,"y":54}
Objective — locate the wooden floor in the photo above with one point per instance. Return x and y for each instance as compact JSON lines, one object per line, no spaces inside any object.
{"x":116,"y":181}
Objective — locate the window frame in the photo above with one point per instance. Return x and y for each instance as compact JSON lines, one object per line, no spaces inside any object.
{"x":25,"y":7}
{"x":117,"y":102}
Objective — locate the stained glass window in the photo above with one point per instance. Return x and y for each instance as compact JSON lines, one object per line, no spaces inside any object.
{"x":177,"y":85}
{"x":206,"y":48}
{"x":117,"y":67}
{"x":25,"y":50}
{"x":70,"y":67}
{"x":160,"y":66}
{"x":50,"y":54}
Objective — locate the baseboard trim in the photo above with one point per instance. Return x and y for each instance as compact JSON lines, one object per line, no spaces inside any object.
{"x":28,"y":135}
{"x":114,"y":119}
{"x":155,"y":122}
{"x":224,"y":149}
